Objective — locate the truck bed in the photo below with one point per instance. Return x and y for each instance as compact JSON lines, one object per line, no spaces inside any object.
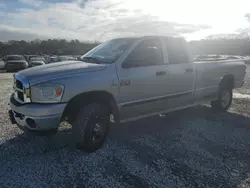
{"x":210,"y":73}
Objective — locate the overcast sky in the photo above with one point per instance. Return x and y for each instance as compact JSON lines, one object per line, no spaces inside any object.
{"x":104,"y":19}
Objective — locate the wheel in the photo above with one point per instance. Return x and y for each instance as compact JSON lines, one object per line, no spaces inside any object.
{"x":90,"y":127}
{"x":224,"y":100}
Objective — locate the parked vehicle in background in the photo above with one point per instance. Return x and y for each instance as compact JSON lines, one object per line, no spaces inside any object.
{"x":46,"y":58}
{"x":36,"y":61}
{"x":2,"y":64}
{"x":27,"y":57}
{"x":64,"y":58}
{"x":208,"y":58}
{"x":246,"y":59}
{"x":52,"y":59}
{"x":15,"y":63}
{"x":123,"y":79}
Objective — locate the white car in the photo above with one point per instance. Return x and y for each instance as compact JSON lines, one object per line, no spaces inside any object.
{"x":36,"y":61}
{"x":63,"y":58}
{"x":15,"y":63}
{"x":2,"y":64}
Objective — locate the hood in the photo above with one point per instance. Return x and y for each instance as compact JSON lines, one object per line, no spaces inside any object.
{"x":58,"y":70}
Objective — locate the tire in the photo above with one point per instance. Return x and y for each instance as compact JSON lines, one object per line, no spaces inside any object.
{"x":224,"y":100}
{"x":90,"y":127}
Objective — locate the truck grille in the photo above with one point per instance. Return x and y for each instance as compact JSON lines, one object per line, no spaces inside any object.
{"x":20,"y":87}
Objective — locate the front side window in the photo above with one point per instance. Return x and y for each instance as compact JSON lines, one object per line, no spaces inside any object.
{"x":147,"y":53}
{"x":108,"y":52}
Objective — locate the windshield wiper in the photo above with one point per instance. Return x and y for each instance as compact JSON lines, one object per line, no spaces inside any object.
{"x":91,"y":59}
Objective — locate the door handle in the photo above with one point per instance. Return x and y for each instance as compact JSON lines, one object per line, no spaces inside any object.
{"x":161,"y":73}
{"x":189,"y":70}
{"x":124,"y":82}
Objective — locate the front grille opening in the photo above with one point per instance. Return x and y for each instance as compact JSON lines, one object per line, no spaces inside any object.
{"x":20,"y":95}
{"x":18,"y":115}
{"x":19,"y":84}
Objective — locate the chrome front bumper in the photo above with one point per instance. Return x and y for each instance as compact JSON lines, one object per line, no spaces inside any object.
{"x":43,"y":116}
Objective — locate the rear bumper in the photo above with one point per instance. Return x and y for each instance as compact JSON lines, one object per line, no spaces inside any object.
{"x":37,"y":117}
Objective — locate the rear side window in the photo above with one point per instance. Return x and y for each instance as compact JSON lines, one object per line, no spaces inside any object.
{"x":147,"y":53}
{"x":177,"y":51}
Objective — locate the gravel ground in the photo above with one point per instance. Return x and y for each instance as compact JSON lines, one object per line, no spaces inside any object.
{"x":189,"y":148}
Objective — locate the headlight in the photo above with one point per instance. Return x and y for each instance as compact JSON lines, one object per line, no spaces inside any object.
{"x":47,"y":93}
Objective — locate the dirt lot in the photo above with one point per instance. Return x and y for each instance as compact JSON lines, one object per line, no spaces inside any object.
{"x":189,"y":148}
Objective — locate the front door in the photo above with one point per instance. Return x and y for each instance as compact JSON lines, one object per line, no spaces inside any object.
{"x":142,"y":79}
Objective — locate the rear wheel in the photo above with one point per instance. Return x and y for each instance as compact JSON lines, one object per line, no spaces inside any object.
{"x":224,"y":100}
{"x":91,"y":127}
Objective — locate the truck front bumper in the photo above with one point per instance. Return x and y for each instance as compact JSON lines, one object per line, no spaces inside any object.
{"x":37,"y":117}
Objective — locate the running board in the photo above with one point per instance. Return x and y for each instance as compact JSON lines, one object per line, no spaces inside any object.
{"x":156,"y":113}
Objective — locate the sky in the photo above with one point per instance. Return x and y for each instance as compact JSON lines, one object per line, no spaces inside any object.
{"x":100,"y":20}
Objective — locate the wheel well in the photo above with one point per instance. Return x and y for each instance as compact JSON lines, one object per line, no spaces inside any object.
{"x":227,"y":81}
{"x":102,"y":97}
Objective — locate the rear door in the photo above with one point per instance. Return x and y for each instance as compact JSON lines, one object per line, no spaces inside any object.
{"x":142,"y":79}
{"x":181,"y":73}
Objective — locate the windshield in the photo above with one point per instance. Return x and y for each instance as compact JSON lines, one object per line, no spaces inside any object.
{"x":10,"y":58}
{"x":109,"y":51}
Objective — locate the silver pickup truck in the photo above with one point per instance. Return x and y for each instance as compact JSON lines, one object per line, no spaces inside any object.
{"x":120,"y":80}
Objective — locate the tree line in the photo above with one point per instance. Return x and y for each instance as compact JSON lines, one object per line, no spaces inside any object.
{"x":75,"y":47}
{"x":221,"y":46}
{"x":50,"y":46}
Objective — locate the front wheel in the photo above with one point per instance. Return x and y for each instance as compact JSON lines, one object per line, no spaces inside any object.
{"x":91,"y":127}
{"x":224,"y":101}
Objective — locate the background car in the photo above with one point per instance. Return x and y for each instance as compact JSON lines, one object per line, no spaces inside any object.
{"x":36,"y":61}
{"x":51,"y":59}
{"x":28,"y":57}
{"x":15,"y":63}
{"x":64,"y":58}
{"x":2,"y":64}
